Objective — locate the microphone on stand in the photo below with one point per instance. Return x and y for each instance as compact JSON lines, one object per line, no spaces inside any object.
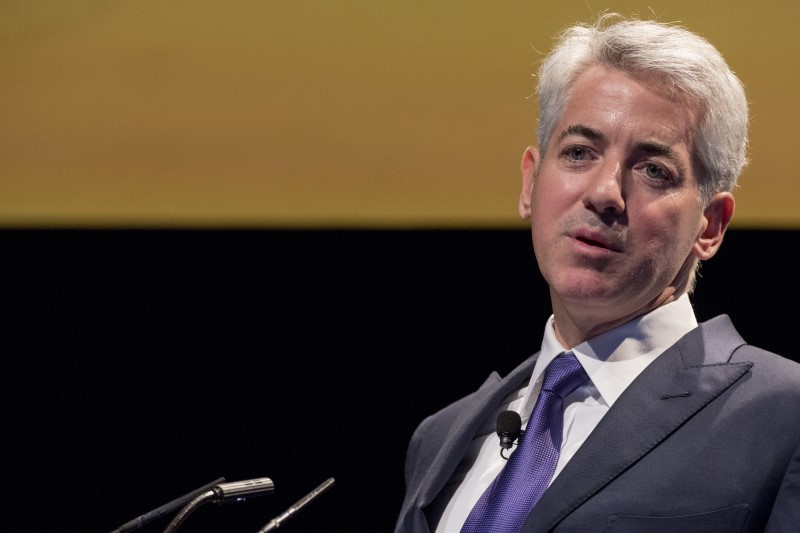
{"x":276,"y":522}
{"x":236,"y":491}
{"x":509,"y":428}
{"x":239,"y":491}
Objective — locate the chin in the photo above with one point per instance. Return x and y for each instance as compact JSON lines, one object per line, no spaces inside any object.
{"x":590,"y":296}
{"x":587,"y":290}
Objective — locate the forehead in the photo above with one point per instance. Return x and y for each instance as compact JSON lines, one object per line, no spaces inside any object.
{"x":630,"y":107}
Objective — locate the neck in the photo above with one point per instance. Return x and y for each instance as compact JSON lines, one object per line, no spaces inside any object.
{"x":573,"y":328}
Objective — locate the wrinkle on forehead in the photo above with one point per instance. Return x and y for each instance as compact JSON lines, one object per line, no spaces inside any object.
{"x":602,"y":90}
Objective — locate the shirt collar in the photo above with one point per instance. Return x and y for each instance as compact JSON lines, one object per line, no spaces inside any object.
{"x":615,"y":358}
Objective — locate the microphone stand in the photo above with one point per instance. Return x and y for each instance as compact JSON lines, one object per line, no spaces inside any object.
{"x":276,"y":522}
{"x":189,"y":509}
{"x":146,"y":518}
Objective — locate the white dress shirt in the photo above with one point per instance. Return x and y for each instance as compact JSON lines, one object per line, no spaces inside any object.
{"x":612,"y":360}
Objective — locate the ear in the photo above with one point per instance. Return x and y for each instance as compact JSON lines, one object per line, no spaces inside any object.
{"x":717,"y":215}
{"x":530,"y":162}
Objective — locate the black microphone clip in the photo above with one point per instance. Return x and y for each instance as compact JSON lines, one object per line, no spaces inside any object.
{"x":509,"y":428}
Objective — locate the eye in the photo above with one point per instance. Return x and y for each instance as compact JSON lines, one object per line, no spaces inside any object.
{"x":656,"y":172}
{"x":577,"y":153}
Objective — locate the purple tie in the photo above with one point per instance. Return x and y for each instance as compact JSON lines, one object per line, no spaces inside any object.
{"x":505,"y":505}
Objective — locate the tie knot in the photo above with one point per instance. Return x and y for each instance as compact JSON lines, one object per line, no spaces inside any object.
{"x":564,"y":374}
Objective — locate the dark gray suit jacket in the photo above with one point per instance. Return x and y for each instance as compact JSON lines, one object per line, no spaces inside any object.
{"x":706,"y":439}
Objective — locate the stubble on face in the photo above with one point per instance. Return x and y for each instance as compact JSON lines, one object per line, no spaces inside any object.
{"x":611,"y":243}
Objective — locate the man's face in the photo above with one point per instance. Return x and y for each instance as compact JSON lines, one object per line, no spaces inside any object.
{"x":615,"y":217}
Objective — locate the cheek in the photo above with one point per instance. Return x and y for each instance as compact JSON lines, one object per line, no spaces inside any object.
{"x":543,"y":233}
{"x":669,"y":233}
{"x":551,"y":198}
{"x":544,"y":223}
{"x":538,"y":237}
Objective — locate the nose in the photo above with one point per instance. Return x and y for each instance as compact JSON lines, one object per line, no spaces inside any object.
{"x":604,"y":193}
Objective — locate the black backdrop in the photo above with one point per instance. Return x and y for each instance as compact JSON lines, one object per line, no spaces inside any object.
{"x":139,"y":365}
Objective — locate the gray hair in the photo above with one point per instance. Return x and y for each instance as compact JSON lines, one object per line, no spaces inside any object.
{"x":667,"y":53}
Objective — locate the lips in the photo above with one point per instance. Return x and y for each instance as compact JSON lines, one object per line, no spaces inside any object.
{"x":598,"y":239}
{"x":592,"y":242}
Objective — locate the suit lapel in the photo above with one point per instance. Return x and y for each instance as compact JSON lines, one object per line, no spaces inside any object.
{"x":464,"y":428}
{"x":680,"y":382}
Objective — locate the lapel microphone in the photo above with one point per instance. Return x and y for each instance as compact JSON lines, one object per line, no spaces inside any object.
{"x":509,"y":428}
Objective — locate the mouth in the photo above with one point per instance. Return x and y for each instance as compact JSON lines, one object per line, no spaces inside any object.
{"x":597,"y":241}
{"x":591,"y":242}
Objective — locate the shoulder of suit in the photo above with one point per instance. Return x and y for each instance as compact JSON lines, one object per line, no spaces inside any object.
{"x":450,"y":411}
{"x":764,"y":360}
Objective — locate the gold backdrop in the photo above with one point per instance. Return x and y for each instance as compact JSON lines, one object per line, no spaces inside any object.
{"x":360,"y":113}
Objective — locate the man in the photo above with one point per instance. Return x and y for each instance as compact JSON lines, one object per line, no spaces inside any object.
{"x":637,"y":418}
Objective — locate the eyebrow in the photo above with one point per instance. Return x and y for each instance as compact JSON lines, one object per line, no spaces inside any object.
{"x":582,"y":131}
